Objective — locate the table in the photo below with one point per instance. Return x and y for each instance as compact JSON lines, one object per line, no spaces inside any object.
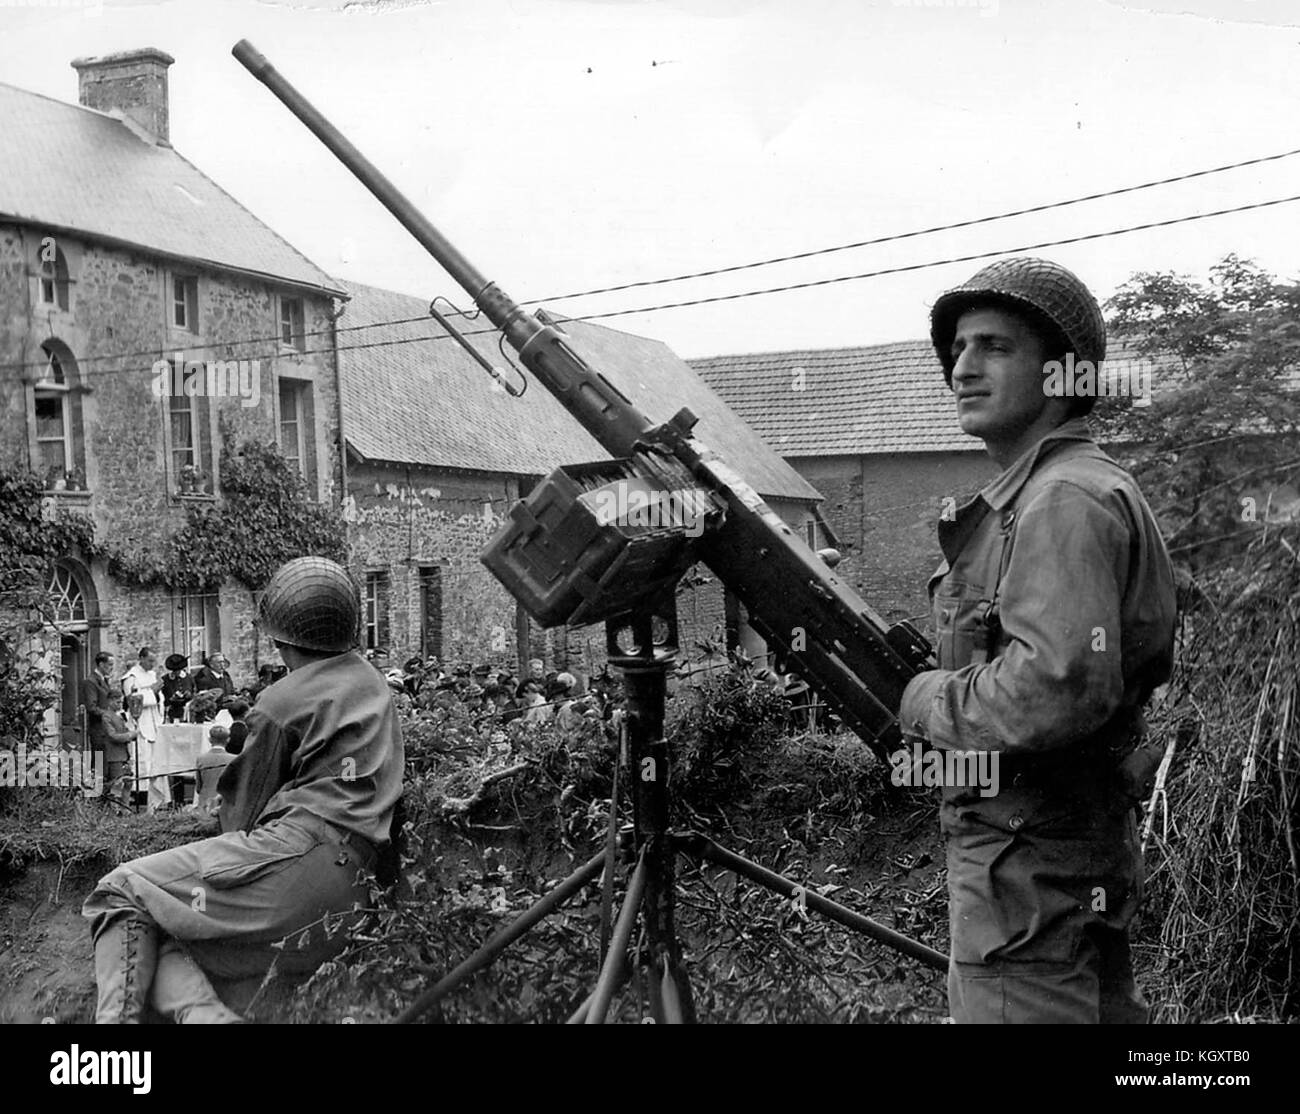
{"x":178,"y":748}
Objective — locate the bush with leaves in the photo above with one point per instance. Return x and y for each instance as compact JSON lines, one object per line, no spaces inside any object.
{"x":496,"y":814}
{"x":265,"y":518}
{"x":31,"y":540}
{"x":1218,"y":937}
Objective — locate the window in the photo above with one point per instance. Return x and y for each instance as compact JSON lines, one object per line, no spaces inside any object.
{"x":376,"y":610}
{"x":292,"y":423}
{"x":189,"y":449}
{"x":431,"y":611}
{"x":292,"y":329}
{"x":53,"y":279}
{"x":184,"y":429}
{"x":185,"y":302}
{"x":196,"y":631}
{"x":54,"y":447}
{"x":67,"y":601}
{"x":811,"y":528}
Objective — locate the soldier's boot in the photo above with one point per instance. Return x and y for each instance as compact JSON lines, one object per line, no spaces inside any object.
{"x":183,"y":993}
{"x":126,"y":956}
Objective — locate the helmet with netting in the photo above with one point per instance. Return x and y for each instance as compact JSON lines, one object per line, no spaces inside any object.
{"x":312,"y":603}
{"x":1053,"y":298}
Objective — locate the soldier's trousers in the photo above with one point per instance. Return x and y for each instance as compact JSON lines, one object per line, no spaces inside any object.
{"x":1039,"y":916}
{"x":227,"y":900}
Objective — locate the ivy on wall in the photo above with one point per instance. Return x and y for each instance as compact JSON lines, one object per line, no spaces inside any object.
{"x":30,"y":543}
{"x":267,"y":517}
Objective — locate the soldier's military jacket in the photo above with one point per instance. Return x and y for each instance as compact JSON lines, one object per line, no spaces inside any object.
{"x":324,"y":739}
{"x":1054,"y":611}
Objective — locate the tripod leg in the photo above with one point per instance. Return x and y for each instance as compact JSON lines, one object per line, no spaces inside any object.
{"x":617,"y":957}
{"x":579,"y":1016}
{"x":675,"y":995}
{"x":704,"y":848}
{"x":503,"y":939}
{"x":611,"y":856}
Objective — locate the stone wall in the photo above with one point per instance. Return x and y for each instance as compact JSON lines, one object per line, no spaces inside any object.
{"x":885,"y":510}
{"x":119,"y":306}
{"x":401,"y":520}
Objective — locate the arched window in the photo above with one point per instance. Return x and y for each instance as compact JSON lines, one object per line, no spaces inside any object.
{"x":67,"y":600}
{"x":59,"y":456}
{"x":53,"y":276}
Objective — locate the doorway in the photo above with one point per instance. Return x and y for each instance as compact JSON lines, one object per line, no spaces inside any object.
{"x":74,"y":668}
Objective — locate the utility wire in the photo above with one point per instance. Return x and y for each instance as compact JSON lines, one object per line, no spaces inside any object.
{"x":905,"y":268}
{"x":748,"y":266}
{"x":198,"y":347}
{"x":920,"y":231}
{"x":940,"y":262}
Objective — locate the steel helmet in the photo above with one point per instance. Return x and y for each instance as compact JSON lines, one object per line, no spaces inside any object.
{"x":312,"y":603}
{"x":1046,"y":292}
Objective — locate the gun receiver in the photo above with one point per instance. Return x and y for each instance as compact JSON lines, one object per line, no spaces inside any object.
{"x":804,"y":612}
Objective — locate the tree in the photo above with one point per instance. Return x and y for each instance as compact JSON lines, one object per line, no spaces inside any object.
{"x":1223,"y":428}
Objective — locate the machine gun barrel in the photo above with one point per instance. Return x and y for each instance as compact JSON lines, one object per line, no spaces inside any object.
{"x":857,"y":663}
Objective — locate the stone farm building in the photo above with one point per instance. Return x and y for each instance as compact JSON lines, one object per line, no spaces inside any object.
{"x":115,"y":253}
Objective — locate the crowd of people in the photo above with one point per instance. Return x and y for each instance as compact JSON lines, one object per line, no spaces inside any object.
{"x":129,"y":709}
{"x":489,"y":695}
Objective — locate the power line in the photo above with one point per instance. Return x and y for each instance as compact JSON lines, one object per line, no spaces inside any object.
{"x":920,"y":231}
{"x":740,"y":266}
{"x":198,"y":347}
{"x":940,"y":262}
{"x":788,"y":287}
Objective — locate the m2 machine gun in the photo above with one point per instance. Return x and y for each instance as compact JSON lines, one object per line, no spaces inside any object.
{"x":570,"y":554}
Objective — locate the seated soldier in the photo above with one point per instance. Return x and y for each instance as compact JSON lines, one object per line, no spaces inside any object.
{"x":305,"y":810}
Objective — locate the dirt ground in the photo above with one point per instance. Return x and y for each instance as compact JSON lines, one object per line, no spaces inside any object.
{"x":887,"y":864}
{"x":47,"y":972}
{"x":46,"y":968}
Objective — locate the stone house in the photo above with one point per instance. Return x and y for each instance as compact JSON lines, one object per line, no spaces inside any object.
{"x":437,"y":454}
{"x":119,"y":260}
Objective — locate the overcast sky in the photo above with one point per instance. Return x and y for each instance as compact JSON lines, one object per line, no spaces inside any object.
{"x":570,"y":144}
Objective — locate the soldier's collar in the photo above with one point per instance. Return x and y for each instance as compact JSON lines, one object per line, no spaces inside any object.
{"x":1000,"y":491}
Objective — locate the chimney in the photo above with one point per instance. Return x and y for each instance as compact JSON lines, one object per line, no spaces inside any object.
{"x":133,"y":82}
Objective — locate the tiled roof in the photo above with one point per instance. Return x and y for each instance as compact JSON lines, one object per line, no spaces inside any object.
{"x":77,"y":169}
{"x":417,"y":398}
{"x":883,"y":398}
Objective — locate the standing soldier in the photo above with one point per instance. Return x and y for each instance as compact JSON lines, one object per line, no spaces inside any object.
{"x":1054,"y":612}
{"x":306,"y":806}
